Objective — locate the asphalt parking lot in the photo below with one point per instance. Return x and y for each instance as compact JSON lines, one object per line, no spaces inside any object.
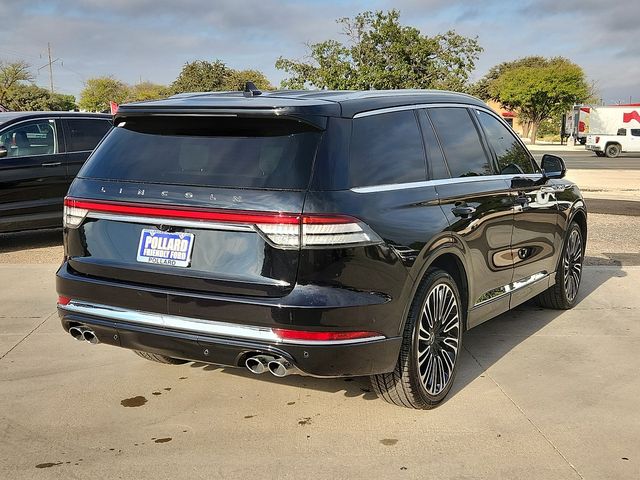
{"x":540,"y":394}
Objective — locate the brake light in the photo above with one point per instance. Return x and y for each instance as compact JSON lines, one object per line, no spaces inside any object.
{"x":308,"y":336}
{"x":597,"y":139}
{"x":286,"y":230}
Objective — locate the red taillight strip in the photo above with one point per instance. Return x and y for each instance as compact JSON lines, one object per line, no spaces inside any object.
{"x":306,"y":335}
{"x":229,"y":216}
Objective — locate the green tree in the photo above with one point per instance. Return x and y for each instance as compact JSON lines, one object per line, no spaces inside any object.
{"x":12,"y":74}
{"x":482,"y":87}
{"x":147,"y":91}
{"x":99,"y":91}
{"x":34,"y":98}
{"x":539,"y":91}
{"x":203,"y":76}
{"x":236,"y":80}
{"x":200,"y":76}
{"x":381,"y":53}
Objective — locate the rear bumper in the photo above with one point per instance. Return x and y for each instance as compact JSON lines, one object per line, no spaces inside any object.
{"x":141,"y":319}
{"x":321,"y":359}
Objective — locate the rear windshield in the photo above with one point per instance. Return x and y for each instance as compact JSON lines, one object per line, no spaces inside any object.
{"x":208,"y":151}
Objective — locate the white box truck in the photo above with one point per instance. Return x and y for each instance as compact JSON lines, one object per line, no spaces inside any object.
{"x":606,"y":120}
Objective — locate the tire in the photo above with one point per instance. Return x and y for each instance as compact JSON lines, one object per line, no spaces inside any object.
{"x":413,"y":384}
{"x":154,"y":357}
{"x":599,"y":154}
{"x":612,"y":150}
{"x":563,"y":295}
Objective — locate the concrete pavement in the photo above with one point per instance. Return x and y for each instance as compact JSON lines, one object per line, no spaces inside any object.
{"x":540,"y":394}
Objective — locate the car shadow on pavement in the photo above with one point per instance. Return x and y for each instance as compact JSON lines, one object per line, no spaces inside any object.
{"x":350,"y":386}
{"x":510,"y":329}
{"x":516,"y":326}
{"x":29,"y":240}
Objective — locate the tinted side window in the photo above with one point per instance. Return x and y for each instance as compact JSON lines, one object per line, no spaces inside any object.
{"x":386,"y":148}
{"x":460,"y":142}
{"x":635,"y":132}
{"x":622,"y":132}
{"x":435,"y":158}
{"x":85,"y":134}
{"x":512,"y":157}
{"x":31,"y":138}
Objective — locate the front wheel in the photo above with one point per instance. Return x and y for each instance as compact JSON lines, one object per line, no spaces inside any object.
{"x":612,"y":151}
{"x":563,"y":295}
{"x":431,"y":343}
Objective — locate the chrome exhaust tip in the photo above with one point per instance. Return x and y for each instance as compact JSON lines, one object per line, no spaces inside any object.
{"x":90,"y":336}
{"x":258,"y":363}
{"x":280,"y":367}
{"x":76,"y":332}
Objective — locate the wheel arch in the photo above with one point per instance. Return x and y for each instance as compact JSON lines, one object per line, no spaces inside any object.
{"x":452,"y":262}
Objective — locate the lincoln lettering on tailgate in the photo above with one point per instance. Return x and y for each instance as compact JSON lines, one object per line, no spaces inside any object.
{"x":165,"y":248}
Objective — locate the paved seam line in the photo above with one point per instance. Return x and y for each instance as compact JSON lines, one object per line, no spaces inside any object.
{"x":525,"y":415}
{"x":28,"y":334}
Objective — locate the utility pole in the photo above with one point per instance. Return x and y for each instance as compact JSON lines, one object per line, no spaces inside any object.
{"x":50,"y":67}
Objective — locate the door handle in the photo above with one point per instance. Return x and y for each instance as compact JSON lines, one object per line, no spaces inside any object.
{"x":521,"y":200}
{"x":51,"y":164}
{"x":463,"y":210}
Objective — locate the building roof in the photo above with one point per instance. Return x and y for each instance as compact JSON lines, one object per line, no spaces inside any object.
{"x":337,"y":103}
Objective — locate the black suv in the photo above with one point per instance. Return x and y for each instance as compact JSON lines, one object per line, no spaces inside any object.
{"x":40,"y":154}
{"x":325,"y":233}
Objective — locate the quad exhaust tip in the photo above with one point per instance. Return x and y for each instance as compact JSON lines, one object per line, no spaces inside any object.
{"x":84,"y":334}
{"x":258,"y":364}
{"x":277,"y":366}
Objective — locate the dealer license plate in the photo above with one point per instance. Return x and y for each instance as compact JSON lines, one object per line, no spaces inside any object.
{"x":165,"y":248}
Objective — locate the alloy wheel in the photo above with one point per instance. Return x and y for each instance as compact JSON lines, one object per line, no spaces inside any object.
{"x":438,"y":338}
{"x":572,"y":263}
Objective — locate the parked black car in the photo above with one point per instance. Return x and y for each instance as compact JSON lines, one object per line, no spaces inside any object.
{"x":324,"y":233}
{"x":40,"y":154}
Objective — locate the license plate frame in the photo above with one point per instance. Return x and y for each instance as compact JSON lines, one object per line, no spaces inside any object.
{"x":168,"y":250}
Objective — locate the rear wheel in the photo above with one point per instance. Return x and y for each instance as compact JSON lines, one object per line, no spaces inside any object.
{"x":154,"y":357}
{"x":612,"y":150}
{"x":563,"y":295}
{"x":431,"y":343}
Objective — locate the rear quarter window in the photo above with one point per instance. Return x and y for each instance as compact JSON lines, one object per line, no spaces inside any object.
{"x":85,"y":134}
{"x":460,"y":142}
{"x":208,"y":151}
{"x":385,"y":149}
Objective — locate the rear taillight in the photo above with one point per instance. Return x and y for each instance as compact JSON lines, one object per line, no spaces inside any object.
{"x":318,"y":231}
{"x":62,"y":300}
{"x":73,"y":216}
{"x":597,"y":139}
{"x":283,"y":230}
{"x":309,"y":336}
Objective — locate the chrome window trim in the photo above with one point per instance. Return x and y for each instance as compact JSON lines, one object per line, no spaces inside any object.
{"x":195,"y":325}
{"x":48,"y":119}
{"x":420,"y":106}
{"x":442,"y":181}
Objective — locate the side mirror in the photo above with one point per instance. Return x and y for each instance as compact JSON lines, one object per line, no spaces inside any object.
{"x":3,"y":151}
{"x":553,"y":166}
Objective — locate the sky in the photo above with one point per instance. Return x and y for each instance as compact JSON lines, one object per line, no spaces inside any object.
{"x":140,"y":40}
